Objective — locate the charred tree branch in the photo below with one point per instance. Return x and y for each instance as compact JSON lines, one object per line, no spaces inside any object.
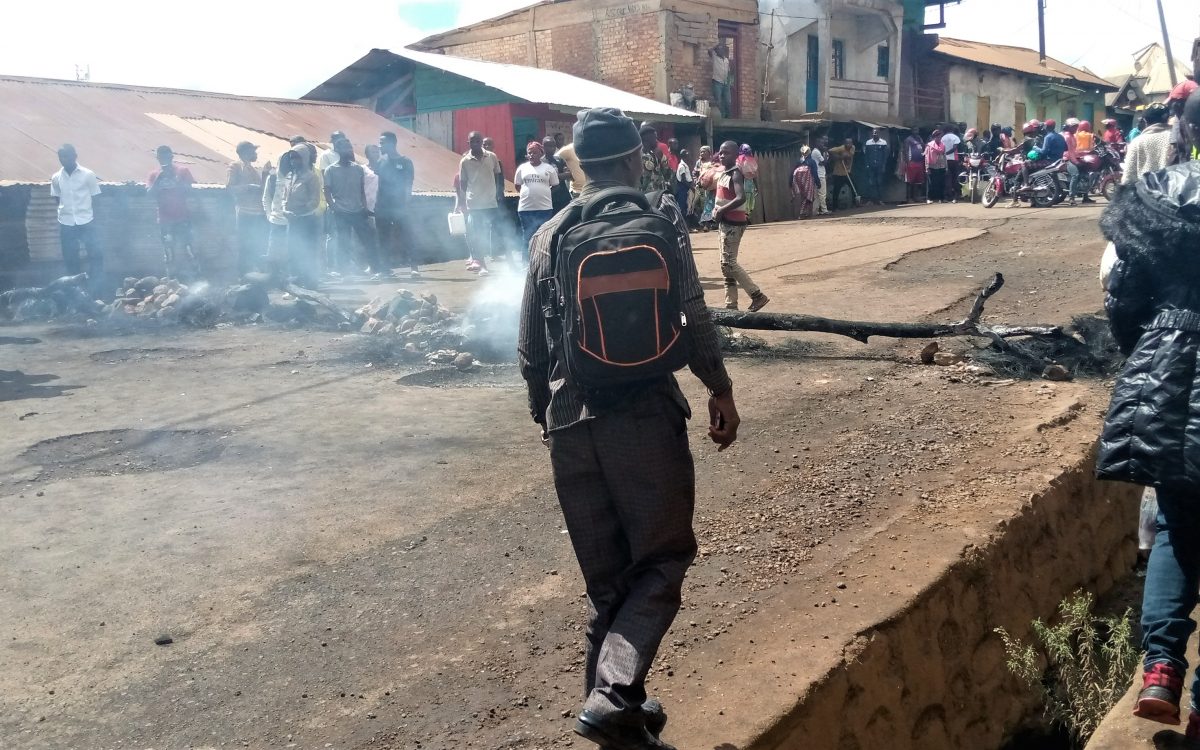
{"x":863,"y":330}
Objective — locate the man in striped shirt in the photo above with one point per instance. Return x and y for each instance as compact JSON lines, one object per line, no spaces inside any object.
{"x":622,"y":466}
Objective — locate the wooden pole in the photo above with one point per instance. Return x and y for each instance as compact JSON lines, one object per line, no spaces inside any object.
{"x":1041,"y":11}
{"x":1162,"y":20}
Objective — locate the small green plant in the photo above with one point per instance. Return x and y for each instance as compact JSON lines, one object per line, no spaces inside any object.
{"x":1087,"y":658}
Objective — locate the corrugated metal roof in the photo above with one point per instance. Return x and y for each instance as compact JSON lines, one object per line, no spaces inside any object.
{"x":1019,"y":59}
{"x":562,"y":91}
{"x":116,"y":129}
{"x":1150,"y":64}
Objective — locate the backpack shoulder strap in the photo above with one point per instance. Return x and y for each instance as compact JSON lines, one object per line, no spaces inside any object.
{"x":606,"y":196}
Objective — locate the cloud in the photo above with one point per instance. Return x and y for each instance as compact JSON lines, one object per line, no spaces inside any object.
{"x":234,"y":46}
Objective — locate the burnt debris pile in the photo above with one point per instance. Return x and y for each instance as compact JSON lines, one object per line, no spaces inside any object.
{"x":420,"y":328}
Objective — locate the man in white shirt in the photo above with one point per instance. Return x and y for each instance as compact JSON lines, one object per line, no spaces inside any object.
{"x":818,"y":156}
{"x":953,"y":166}
{"x":720,"y":78}
{"x":73,"y":187}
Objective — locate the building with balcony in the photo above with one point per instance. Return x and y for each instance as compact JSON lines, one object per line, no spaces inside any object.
{"x":834,"y":60}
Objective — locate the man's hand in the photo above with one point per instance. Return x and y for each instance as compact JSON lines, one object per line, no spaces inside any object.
{"x":718,"y":213}
{"x":723,"y":420}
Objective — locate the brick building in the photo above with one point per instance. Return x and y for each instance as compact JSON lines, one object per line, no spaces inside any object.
{"x":649,"y":47}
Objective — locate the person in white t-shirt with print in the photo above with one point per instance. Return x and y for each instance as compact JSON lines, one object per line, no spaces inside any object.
{"x":535,"y":178}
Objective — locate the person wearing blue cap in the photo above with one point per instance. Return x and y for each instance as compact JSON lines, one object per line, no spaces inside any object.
{"x":622,"y":467}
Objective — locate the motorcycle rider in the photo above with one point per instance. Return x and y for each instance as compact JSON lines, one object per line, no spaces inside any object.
{"x":1085,"y":139}
{"x":972,"y":142}
{"x":994,"y":143}
{"x":1112,"y":134}
{"x":1070,"y":130}
{"x":1027,"y":149}
{"x":1052,"y":149}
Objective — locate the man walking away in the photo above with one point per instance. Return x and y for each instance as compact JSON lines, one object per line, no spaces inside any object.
{"x":622,"y":467}
{"x":479,"y":183}
{"x":817,"y":154}
{"x":876,"y":152}
{"x":720,"y":78}
{"x":245,"y":185}
{"x":170,"y":186}
{"x":842,"y":159}
{"x":73,"y":188}
{"x":951,"y":141}
{"x":731,"y":219}
{"x":536,"y":179}
{"x":396,"y":176}
{"x":560,"y":194}
{"x":346,"y":194}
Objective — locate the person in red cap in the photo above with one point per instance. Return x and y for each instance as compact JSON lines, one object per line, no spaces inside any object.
{"x":1178,"y":152}
{"x":1112,"y":134}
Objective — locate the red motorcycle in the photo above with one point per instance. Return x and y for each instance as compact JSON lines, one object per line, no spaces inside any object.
{"x":1006,"y":179}
{"x":979,"y":171}
{"x":1103,"y":169}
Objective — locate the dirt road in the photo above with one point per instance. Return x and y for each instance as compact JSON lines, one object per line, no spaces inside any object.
{"x":343,"y":558}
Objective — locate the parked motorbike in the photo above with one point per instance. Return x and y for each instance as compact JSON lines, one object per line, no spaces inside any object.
{"x":979,"y":171}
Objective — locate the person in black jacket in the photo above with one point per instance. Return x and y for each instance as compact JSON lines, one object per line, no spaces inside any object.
{"x":1151,"y":435}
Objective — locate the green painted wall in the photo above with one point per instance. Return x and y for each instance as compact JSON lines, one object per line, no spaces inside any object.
{"x":1060,"y":106}
{"x":435,"y":91}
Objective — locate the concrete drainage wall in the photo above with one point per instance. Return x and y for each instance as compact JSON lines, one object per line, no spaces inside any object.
{"x":933,"y":677}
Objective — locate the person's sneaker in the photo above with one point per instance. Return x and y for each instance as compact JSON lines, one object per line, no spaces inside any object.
{"x":483,"y":272}
{"x":928,"y":202}
{"x":758,"y":302}
{"x":731,"y":306}
{"x":474,"y":265}
{"x":414,"y":274}
{"x":1087,"y":200}
{"x":1158,"y":700}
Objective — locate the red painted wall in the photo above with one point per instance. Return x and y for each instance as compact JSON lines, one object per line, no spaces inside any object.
{"x":494,"y":121}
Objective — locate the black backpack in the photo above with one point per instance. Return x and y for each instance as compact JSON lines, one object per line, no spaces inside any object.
{"x":612,"y":303}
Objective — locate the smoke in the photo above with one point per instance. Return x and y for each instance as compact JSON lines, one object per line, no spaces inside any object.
{"x":493,"y":316}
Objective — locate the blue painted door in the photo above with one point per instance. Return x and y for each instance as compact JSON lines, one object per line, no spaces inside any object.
{"x":812,"y":79}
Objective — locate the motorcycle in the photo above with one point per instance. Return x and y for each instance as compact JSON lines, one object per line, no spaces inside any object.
{"x":978,"y":170}
{"x":1005,"y":181}
{"x":1107,"y":174}
{"x":1048,"y":186}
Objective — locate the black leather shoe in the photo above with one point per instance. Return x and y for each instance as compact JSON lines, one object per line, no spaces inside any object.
{"x":656,"y":717}
{"x":618,"y":731}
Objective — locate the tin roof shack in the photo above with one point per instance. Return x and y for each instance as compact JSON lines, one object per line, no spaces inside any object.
{"x":986,"y":83}
{"x":1147,"y":81}
{"x":116,"y":130}
{"x":648,"y":47}
{"x":444,"y":98}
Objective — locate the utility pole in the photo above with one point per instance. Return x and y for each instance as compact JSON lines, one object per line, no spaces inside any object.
{"x":1042,"y":29}
{"x":1162,"y":20}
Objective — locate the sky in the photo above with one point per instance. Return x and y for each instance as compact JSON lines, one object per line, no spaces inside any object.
{"x":287,"y":47}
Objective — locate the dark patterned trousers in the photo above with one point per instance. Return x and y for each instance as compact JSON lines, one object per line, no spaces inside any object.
{"x":626,"y":484}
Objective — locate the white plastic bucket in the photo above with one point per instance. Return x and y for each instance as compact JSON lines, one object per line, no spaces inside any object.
{"x":458,"y":224}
